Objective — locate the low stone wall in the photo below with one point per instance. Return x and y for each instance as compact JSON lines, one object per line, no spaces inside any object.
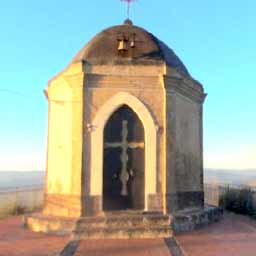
{"x":192,"y":219}
{"x":22,"y":199}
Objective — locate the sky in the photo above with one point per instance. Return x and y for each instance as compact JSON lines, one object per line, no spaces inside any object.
{"x":216,"y":40}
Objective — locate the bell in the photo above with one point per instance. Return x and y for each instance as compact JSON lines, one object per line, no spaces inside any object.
{"x":122,"y":46}
{"x":132,"y":44}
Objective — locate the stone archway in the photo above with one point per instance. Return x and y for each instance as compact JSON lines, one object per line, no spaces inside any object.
{"x":97,"y":140}
{"x":124,"y":161}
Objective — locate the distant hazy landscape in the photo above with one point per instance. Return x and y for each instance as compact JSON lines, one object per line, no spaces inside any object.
{"x":232,"y":177}
{"x":10,"y":179}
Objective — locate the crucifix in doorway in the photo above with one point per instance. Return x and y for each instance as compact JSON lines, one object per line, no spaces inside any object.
{"x":124,"y":145}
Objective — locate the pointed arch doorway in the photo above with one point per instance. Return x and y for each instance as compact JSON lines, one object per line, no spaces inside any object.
{"x":124,"y":161}
{"x":104,"y":114}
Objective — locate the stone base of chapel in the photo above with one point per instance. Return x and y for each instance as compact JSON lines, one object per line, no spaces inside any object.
{"x":124,"y":224}
{"x":70,"y":206}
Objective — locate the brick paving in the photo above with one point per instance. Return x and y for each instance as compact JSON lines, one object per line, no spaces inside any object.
{"x":17,"y":241}
{"x":133,"y":247}
{"x":235,"y":235}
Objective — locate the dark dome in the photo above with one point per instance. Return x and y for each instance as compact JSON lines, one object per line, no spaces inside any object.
{"x":146,"y":49}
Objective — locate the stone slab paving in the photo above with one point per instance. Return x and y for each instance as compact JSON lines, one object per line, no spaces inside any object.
{"x":235,"y":235}
{"x":17,"y":241}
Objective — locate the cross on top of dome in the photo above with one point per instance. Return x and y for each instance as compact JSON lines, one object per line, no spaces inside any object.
{"x":128,"y":6}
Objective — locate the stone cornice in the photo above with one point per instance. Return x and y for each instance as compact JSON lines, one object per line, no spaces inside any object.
{"x":120,"y":81}
{"x":185,"y":87}
{"x":125,"y":70}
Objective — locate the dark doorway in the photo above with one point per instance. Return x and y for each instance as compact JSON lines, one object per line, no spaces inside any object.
{"x":123,"y":170}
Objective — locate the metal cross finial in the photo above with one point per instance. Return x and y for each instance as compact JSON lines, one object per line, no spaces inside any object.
{"x":128,"y":6}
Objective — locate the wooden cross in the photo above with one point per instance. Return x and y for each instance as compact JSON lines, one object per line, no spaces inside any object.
{"x":124,"y":145}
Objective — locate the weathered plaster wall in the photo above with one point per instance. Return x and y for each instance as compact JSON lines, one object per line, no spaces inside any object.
{"x":64,"y":161}
{"x":145,"y":85}
{"x":60,"y":148}
{"x":76,"y":95}
{"x":188,"y":137}
{"x":185,"y":170}
{"x":170,"y":151}
{"x":184,"y":164}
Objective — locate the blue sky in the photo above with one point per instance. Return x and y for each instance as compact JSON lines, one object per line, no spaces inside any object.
{"x":215,"y":39}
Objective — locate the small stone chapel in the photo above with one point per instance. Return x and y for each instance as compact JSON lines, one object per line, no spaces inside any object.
{"x":125,"y":130}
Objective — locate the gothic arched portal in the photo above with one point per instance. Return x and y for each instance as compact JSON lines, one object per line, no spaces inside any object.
{"x":123,"y":164}
{"x":97,"y":145}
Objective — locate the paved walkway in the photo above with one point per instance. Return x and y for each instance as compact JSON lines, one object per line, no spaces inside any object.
{"x":147,"y":247}
{"x":17,"y":241}
{"x":234,"y":236}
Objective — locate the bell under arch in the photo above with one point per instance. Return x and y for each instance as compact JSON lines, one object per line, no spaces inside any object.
{"x":124,"y":161}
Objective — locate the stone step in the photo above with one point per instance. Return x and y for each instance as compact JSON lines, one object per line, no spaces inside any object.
{"x":123,"y":221}
{"x":122,"y":233}
{"x":123,"y":226}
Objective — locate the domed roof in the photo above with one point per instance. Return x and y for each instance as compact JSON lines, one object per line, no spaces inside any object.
{"x":138,"y":46}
